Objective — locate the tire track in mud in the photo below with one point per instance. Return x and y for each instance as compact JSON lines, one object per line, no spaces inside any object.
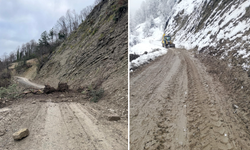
{"x":207,"y":129}
{"x":175,"y":104}
{"x":172,"y":133}
{"x":60,"y":126}
{"x":155,"y":108}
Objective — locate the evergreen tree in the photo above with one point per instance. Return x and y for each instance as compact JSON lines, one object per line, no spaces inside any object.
{"x":44,"y":39}
{"x":51,"y":34}
{"x":17,"y":55}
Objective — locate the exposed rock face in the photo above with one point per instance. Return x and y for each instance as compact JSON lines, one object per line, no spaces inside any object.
{"x":96,"y":51}
{"x":22,"y":133}
{"x":216,"y":28}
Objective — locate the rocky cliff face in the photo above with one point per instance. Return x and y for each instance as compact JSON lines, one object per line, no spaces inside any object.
{"x":220,"y":28}
{"x":96,"y":53}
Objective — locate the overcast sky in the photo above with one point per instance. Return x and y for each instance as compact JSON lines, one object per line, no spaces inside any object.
{"x":134,"y":5}
{"x":24,"y":20}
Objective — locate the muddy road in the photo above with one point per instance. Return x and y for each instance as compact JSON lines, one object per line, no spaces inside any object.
{"x":175,"y":104}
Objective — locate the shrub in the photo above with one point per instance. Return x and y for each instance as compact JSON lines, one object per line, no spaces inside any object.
{"x":133,"y":57}
{"x":10,"y":92}
{"x":119,"y":12}
{"x":96,"y":95}
{"x":5,"y":79}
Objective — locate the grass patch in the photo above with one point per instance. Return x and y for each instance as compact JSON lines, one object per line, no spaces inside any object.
{"x":101,"y":37}
{"x":94,"y":31}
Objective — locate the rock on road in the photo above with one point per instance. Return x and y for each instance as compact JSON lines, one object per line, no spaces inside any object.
{"x":175,"y":104}
{"x":60,"y":126}
{"x":57,"y":123}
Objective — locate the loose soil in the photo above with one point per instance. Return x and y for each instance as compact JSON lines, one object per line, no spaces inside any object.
{"x":176,"y":104}
{"x":61,"y":121}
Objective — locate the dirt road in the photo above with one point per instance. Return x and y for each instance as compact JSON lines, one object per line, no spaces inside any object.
{"x":175,"y":104}
{"x":61,"y":121}
{"x":25,"y":82}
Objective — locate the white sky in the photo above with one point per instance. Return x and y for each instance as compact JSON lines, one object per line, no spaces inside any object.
{"x":134,"y":5}
{"x":24,"y":20}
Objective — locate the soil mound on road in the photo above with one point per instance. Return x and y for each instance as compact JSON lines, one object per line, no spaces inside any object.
{"x":48,"y":89}
{"x":62,"y":87}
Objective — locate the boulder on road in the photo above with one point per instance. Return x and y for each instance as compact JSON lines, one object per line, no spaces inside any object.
{"x":48,"y":89}
{"x":114,"y":118}
{"x":62,"y":87}
{"x":22,"y":133}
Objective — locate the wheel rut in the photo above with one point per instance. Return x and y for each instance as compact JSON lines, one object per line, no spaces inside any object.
{"x":175,"y":104}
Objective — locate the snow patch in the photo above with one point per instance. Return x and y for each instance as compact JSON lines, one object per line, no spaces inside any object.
{"x":149,"y":47}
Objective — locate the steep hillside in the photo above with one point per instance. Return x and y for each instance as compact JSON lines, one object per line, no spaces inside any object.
{"x":218,"y":33}
{"x":95,"y":54}
{"x":93,"y":62}
{"x":220,"y":28}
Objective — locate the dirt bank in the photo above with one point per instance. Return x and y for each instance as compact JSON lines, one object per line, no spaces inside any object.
{"x":175,"y":104}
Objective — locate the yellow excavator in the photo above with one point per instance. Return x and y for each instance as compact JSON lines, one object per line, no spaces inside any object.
{"x":167,"y":42}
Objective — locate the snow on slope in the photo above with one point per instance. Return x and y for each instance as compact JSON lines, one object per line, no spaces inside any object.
{"x":148,"y":47}
{"x":225,"y":27}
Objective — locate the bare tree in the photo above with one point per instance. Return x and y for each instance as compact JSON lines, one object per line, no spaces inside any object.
{"x":97,"y":2}
{"x":69,"y":19}
{"x":85,"y":12}
{"x":62,"y":25}
{"x":6,"y":60}
{"x":23,"y":51}
{"x":12,"y":57}
{"x":75,"y":20}
{"x":28,"y":50}
{"x":51,"y":35}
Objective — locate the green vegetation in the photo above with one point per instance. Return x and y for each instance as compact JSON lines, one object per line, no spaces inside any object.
{"x":10,"y":92}
{"x":101,"y":36}
{"x":93,"y":92}
{"x":5,"y":78}
{"x":122,"y":4}
{"x":96,"y":95}
{"x":94,"y":31}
